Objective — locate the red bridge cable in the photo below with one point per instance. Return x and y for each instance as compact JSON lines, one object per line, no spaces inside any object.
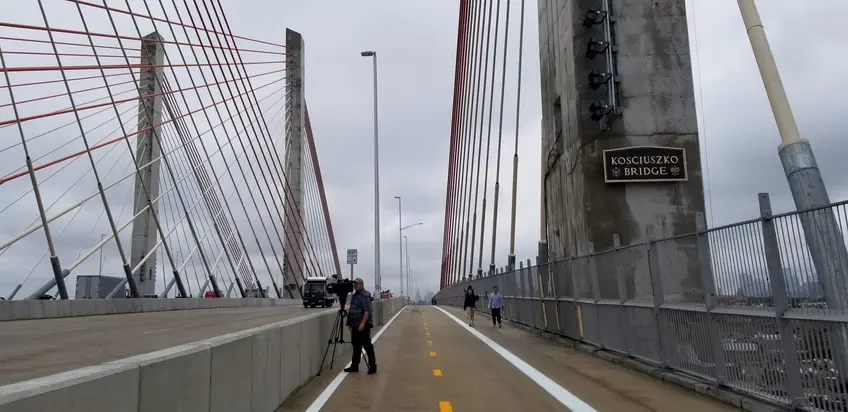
{"x":462,"y":228}
{"x":32,"y":53}
{"x":159,"y":19}
{"x":458,"y":106}
{"x":458,"y":133}
{"x":111,"y":36}
{"x":129,"y":99}
{"x":62,"y":81}
{"x":117,"y":139}
{"x":449,"y":186}
{"x":22,"y":39}
{"x":53,"y":96}
{"x":119,"y":66}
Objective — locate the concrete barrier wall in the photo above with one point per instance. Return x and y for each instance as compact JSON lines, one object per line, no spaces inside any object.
{"x":251,"y":370}
{"x":43,"y":309}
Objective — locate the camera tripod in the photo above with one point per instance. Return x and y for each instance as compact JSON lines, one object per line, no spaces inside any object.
{"x":336,"y":337}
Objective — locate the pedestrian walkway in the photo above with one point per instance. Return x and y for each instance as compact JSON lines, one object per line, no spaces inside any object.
{"x":431,"y":360}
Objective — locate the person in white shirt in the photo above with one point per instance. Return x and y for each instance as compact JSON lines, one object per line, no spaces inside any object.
{"x":496,"y":304}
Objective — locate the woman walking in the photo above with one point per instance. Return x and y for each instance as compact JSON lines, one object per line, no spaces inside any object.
{"x":470,"y":304}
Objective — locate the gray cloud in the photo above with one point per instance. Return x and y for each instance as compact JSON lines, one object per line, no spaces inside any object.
{"x":416,"y":51}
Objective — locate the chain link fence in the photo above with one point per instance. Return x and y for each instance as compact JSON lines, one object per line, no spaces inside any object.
{"x":759,"y":306}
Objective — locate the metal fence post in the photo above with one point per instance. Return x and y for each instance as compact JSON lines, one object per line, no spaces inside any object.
{"x":708,"y":283}
{"x":575,"y":292}
{"x":623,"y":319}
{"x":596,"y":292}
{"x":539,"y":268}
{"x":656,"y":291}
{"x":555,"y":293}
{"x":774,"y":265}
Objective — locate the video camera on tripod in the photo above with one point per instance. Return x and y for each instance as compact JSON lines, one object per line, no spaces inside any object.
{"x":341,"y":288}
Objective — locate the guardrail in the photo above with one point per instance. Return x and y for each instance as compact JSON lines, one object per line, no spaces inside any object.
{"x":256,"y":369}
{"x":44,"y":309}
{"x":758,"y":306}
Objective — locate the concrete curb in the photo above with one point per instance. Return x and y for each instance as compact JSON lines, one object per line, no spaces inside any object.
{"x":48,"y":309}
{"x":727,"y":395}
{"x":255,"y":369}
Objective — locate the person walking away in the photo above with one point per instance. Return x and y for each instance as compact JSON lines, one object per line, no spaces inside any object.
{"x":470,"y":304}
{"x":496,"y":304}
{"x":359,"y":321}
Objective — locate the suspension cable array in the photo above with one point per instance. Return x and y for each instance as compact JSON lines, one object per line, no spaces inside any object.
{"x":481,"y":63}
{"x":150,"y":133}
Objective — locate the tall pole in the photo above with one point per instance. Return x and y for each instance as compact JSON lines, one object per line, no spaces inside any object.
{"x":400,"y":244}
{"x":377,"y":279}
{"x":821,"y":231}
{"x":376,"y":187}
{"x":408,"y":285}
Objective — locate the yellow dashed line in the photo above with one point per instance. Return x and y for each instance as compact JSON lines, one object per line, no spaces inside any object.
{"x":429,"y":342}
{"x":428,"y":333}
{"x":445,"y":407}
{"x":437,"y":372}
{"x":432,"y":353}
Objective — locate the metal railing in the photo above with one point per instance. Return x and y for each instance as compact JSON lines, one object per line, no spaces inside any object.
{"x":759,"y":306}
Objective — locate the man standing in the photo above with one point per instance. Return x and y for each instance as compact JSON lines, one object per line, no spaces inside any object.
{"x":496,"y":303}
{"x":360,"y":324}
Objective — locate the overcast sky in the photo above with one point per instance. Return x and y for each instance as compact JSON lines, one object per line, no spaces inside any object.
{"x":416,"y":40}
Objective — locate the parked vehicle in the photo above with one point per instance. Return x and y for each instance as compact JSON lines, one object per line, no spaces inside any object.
{"x":314,"y":292}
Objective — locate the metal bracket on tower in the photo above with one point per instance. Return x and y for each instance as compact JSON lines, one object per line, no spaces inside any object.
{"x":605,"y":110}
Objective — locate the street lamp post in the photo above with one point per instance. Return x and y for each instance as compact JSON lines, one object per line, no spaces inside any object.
{"x":377,"y":285}
{"x":400,"y":244}
{"x":408,"y":286}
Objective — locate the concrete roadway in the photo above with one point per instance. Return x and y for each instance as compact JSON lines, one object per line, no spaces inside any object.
{"x":429,"y":362}
{"x":36,"y":348}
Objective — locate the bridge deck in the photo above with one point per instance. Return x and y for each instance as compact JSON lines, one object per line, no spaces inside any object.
{"x":429,"y":361}
{"x":36,"y":348}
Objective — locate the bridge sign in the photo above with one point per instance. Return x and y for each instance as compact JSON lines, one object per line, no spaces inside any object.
{"x":351,"y":256}
{"x":645,"y":164}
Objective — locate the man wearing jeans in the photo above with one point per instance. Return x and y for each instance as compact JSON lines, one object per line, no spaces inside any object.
{"x":496,"y":303}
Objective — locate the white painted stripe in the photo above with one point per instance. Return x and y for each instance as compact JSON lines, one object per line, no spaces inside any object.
{"x":568,"y":399}
{"x":157,"y":331}
{"x":328,"y":391}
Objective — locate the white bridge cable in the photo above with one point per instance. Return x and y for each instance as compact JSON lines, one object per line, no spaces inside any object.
{"x":79,"y":261}
{"x":253,"y":147}
{"x":213,"y":72}
{"x":242,"y":67}
{"x":316,"y":217}
{"x":489,"y":136}
{"x":6,"y":245}
{"x":265,"y":161}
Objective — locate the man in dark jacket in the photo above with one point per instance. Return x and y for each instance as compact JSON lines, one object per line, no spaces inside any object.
{"x":359,"y":320}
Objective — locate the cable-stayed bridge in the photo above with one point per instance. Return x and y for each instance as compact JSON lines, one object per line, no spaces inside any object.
{"x":162,"y":203}
{"x":162,"y":150}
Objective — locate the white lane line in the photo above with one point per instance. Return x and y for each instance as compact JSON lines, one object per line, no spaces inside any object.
{"x":328,"y":391}
{"x":157,"y":331}
{"x":568,"y":399}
